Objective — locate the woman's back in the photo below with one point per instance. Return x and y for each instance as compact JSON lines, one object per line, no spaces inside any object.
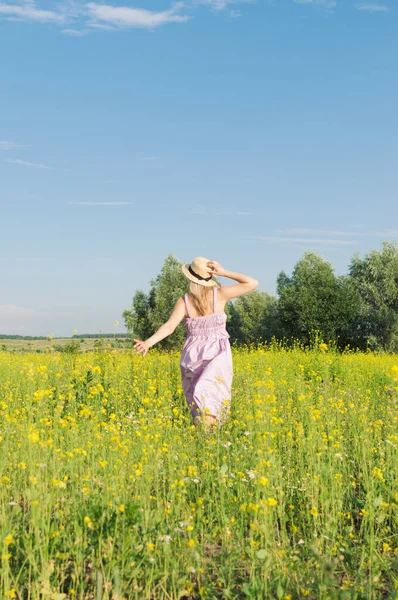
{"x":211,"y":325}
{"x":215,"y":305}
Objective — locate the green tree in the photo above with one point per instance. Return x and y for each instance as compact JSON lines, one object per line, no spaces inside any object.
{"x":309,"y":299}
{"x":137,"y":318}
{"x":233,"y":323}
{"x":149,"y":311}
{"x":376,"y":280}
{"x":349,"y":325}
{"x":253,"y":318}
{"x":271,"y":324}
{"x":168,"y":286}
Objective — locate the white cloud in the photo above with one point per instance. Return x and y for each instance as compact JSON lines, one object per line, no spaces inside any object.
{"x":124,"y":16}
{"x":219,"y":5}
{"x":28,"y":11}
{"x":303,"y":231}
{"x":372,"y":7}
{"x":91,"y":15}
{"x":246,"y":213}
{"x":4,"y":145}
{"x":71,"y":8}
{"x":75,"y":32}
{"x":25,"y":163}
{"x":100,"y":203}
{"x":294,"y":240}
{"x":78,"y":18}
{"x":150,"y":158}
{"x":100,"y":26}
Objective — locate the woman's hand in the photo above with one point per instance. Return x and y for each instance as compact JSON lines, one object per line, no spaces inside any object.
{"x":215,"y":268}
{"x":141,"y":347}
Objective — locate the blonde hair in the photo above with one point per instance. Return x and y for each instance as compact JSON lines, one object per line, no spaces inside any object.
{"x":201,"y":297}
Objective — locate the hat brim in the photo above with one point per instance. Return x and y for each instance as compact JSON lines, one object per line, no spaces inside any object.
{"x":211,"y":283}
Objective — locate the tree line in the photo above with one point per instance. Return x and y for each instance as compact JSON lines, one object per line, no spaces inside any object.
{"x":83,"y":336}
{"x":22,"y":337}
{"x":359,"y":310}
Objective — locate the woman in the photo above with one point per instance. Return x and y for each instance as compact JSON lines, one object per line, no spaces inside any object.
{"x":206,"y":359}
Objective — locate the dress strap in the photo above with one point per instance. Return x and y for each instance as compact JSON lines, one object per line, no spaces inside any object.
{"x":187,"y":305}
{"x":214,"y":299}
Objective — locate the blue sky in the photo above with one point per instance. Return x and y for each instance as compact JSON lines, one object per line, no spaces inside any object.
{"x":247,"y":132}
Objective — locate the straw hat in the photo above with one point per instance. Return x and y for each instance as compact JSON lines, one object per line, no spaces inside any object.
{"x":199,"y":272}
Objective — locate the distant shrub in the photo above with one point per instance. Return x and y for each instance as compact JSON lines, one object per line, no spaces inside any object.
{"x":69,"y":348}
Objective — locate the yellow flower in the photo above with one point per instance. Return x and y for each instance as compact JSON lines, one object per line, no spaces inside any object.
{"x":116,"y":323}
{"x":8,"y":539}
{"x":271,"y":501}
{"x":121,"y":508}
{"x":314,"y":511}
{"x":34,"y":436}
{"x":378,"y":473}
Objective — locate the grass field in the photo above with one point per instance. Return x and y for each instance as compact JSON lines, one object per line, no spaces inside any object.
{"x":108,"y":491}
{"x":45,"y":345}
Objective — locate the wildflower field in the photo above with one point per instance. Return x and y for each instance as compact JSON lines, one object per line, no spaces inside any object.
{"x":108,"y":491}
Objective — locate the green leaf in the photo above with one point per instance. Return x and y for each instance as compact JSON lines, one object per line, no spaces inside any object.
{"x":224,"y":469}
{"x":261,"y":554}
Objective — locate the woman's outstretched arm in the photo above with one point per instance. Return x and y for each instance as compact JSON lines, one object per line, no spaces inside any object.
{"x":164,"y":330}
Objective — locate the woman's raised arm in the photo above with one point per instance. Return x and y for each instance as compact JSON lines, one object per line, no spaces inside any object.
{"x":245,"y":283}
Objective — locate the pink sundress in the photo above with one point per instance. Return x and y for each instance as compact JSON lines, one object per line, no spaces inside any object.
{"x":206,"y":363}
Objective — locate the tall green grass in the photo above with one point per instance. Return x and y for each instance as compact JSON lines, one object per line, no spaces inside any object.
{"x":108,"y":491}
